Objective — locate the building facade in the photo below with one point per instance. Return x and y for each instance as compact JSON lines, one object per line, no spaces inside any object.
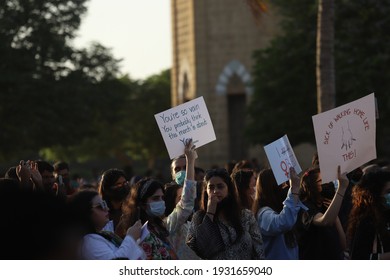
{"x":213,"y":43}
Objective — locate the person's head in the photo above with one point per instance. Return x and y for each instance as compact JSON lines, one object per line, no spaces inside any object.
{"x":178,"y":169}
{"x":268,"y":193}
{"x":243,"y":165}
{"x":89,"y":210}
{"x":134,"y":180}
{"x":47,"y":172}
{"x":173,"y":193}
{"x":199,"y":174}
{"x":313,"y":189}
{"x":113,"y":186}
{"x":371,"y":199}
{"x":61,"y":168}
{"x":245,"y":182}
{"x":373,"y":188}
{"x":218,"y":182}
{"x":146,"y":201}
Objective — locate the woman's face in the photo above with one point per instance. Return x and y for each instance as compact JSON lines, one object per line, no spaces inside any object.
{"x":157,"y":196}
{"x":100,"y":215}
{"x":217,"y":187}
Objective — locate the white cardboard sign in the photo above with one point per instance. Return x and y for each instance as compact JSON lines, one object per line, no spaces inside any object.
{"x":188,"y":120}
{"x":281,"y":157}
{"x":345,"y":136}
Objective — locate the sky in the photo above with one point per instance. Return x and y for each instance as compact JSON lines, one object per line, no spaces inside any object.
{"x":137,"y":31}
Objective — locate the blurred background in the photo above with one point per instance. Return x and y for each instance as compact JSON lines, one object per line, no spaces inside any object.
{"x":66,"y":96}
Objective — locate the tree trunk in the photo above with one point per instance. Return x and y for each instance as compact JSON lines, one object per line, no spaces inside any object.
{"x":326,"y":89}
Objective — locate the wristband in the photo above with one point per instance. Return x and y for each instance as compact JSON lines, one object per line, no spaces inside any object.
{"x":210,"y":213}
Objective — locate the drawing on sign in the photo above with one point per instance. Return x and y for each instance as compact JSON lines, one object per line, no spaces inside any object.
{"x":347,"y":138}
{"x":281,"y":158}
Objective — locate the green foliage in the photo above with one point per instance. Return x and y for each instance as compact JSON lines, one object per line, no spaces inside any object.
{"x":143,"y":136}
{"x":362,"y":56}
{"x":66,"y":103}
{"x":284,"y":79}
{"x":284,"y":74}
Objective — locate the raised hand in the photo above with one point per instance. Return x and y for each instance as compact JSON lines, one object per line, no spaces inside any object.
{"x":189,"y":150}
{"x":135,"y":230}
{"x":294,"y":180}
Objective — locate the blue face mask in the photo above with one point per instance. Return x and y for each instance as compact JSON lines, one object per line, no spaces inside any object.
{"x":156,"y":208}
{"x":386,"y":200}
{"x":179,"y":177}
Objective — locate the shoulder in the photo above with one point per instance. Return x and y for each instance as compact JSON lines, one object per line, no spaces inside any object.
{"x":264,"y":210}
{"x":198,"y":216}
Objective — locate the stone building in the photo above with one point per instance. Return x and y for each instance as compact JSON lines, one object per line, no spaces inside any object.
{"x":213,"y":42}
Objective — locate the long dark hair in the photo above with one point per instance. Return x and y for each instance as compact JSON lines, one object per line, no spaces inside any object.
{"x":170,"y":190}
{"x":107,"y":183}
{"x":230,"y":206}
{"x":367,"y":203}
{"x":134,"y":206}
{"x":309,"y":187}
{"x":270,"y":194}
{"x":241,"y":179}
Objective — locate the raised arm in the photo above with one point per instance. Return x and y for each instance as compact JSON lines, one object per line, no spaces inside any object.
{"x":329,"y":217}
{"x":186,"y":204}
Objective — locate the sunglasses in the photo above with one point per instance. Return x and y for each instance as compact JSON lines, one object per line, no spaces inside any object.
{"x":102,"y":205}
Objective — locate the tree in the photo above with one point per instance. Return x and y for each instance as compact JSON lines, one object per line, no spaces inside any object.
{"x":284,"y":78}
{"x":325,"y":76}
{"x":143,"y":136}
{"x":284,"y":73}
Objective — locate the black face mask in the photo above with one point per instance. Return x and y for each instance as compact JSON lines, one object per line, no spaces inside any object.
{"x":118,"y":194}
{"x":328,"y":190}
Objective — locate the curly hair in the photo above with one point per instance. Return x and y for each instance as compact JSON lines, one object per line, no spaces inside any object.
{"x":367,"y":201}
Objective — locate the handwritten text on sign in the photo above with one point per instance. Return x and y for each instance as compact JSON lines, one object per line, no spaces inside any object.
{"x":345,"y":136}
{"x":188,"y":120}
{"x":281,"y":157}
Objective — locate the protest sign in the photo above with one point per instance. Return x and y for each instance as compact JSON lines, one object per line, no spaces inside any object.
{"x":345,"y":136}
{"x":281,"y":157}
{"x":188,"y":120}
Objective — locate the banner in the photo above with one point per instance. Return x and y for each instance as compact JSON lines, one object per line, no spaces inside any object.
{"x":345,"y":136}
{"x":188,"y":120}
{"x":281,"y":157}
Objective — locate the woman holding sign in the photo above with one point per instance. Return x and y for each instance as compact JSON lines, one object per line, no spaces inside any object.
{"x":222,"y":230}
{"x":322,"y":235}
{"x":146,"y":202}
{"x":277,"y":211}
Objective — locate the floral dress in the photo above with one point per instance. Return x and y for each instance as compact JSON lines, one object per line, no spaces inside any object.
{"x":158,"y":244}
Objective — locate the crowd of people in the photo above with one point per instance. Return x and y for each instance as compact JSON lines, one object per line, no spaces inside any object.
{"x":234,"y":213}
